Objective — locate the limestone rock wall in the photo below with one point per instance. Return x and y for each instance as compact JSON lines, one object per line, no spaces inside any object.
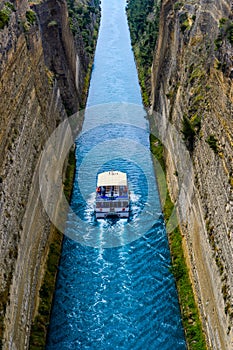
{"x":192,"y":90}
{"x":62,"y":52}
{"x":34,"y":96}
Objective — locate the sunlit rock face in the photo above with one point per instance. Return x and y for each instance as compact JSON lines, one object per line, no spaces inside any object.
{"x":38,"y":87}
{"x":192,"y":91}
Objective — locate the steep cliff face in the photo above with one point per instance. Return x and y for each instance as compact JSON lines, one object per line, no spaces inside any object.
{"x":33,"y":98}
{"x":59,"y":50}
{"x":143,"y":19}
{"x":192,"y":90}
{"x":65,"y":50}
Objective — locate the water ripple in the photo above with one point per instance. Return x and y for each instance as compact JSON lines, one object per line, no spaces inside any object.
{"x":123,"y":297}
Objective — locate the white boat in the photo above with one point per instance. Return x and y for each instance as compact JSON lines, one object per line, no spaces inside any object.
{"x":112,"y":195}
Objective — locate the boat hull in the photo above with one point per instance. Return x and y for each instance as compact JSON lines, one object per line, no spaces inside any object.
{"x":106,"y":214}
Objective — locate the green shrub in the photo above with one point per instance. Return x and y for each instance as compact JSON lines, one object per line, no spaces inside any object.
{"x":178,"y":5}
{"x":218,"y":42}
{"x":197,"y":74}
{"x":10,"y":6}
{"x":184,"y":22}
{"x":31,"y":17}
{"x":230,"y":33}
{"x":213,"y":143}
{"x":222,"y":21}
{"x":225,"y":32}
{"x":52,"y":24}
{"x":185,"y":25}
{"x":188,"y":130}
{"x":196,"y":122}
{"x":177,"y":269}
{"x":5,"y":14}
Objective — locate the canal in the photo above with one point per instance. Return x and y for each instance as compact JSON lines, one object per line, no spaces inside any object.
{"x":114,"y":288}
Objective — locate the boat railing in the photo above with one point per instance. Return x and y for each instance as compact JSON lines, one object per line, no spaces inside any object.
{"x":107,"y":198}
{"x":115,"y":204}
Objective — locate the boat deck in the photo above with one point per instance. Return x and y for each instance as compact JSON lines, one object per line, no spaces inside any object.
{"x":112,"y":196}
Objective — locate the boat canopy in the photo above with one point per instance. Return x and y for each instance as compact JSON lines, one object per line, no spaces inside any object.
{"x":112,"y":178}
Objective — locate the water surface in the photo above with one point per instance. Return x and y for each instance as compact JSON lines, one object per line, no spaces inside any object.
{"x":123,"y":296}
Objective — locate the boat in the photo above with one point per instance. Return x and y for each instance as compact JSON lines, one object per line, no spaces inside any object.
{"x":112,"y":195}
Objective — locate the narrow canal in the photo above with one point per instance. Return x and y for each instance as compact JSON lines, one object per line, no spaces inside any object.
{"x":114,"y":288}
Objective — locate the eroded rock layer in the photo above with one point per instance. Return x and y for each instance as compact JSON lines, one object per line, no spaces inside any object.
{"x":192,"y":91}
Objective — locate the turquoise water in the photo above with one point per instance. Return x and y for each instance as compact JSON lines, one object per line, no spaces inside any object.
{"x":114,"y":287}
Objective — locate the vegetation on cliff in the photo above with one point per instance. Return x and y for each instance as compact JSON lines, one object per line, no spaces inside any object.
{"x":84,"y":19}
{"x":143,"y":19}
{"x":190,"y":317}
{"x":40,"y":324}
{"x":5,"y":14}
{"x":84,"y":22}
{"x":224,"y":46}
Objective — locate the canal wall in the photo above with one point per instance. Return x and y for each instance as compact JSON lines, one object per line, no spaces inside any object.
{"x":42,"y":71}
{"x":192,"y":92}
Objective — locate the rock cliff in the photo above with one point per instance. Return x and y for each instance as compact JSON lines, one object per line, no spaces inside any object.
{"x":42,"y":72}
{"x":192,"y":91}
